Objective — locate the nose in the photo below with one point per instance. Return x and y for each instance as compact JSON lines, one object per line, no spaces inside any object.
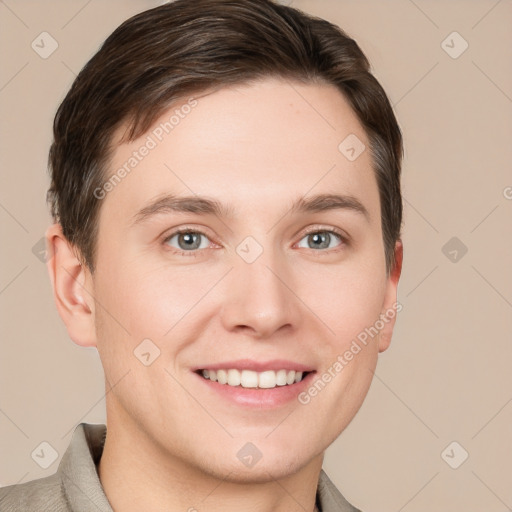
{"x":259,"y":297}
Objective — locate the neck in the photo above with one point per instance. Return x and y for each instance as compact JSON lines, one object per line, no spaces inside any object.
{"x":137,"y":474}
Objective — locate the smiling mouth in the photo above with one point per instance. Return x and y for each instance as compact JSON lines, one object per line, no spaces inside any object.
{"x":250,"y":379}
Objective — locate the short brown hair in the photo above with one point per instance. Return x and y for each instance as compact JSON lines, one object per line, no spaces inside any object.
{"x":185,"y":47}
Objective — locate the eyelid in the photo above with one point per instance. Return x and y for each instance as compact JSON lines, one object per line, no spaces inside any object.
{"x":329,"y":229}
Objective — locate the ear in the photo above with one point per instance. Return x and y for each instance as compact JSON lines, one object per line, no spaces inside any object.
{"x":391,"y":306}
{"x":72,"y":288}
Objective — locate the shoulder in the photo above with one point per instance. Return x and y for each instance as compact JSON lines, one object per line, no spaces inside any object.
{"x":42,"y":494}
{"x":75,"y":485}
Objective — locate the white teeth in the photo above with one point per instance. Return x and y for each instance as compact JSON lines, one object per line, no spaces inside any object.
{"x":222,"y":376}
{"x":281,"y":378}
{"x":233,"y":377}
{"x":251,"y":379}
{"x":267,"y":379}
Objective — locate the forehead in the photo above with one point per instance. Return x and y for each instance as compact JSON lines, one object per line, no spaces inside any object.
{"x":253,"y":147}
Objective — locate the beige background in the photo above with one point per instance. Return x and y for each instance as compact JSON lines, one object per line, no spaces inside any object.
{"x":447,"y":374}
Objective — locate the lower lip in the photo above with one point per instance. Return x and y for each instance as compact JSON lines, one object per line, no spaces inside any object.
{"x":259,"y":397}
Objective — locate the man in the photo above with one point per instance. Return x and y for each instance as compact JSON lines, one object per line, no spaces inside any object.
{"x":226,"y":196}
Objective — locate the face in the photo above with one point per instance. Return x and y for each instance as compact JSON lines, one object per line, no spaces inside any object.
{"x":276,"y":285}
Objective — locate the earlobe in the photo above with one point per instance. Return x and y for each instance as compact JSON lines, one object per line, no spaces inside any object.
{"x":70,"y":282}
{"x":390,"y":303}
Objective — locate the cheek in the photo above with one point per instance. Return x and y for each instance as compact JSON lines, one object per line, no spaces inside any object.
{"x":354,"y":305}
{"x":348,"y":300}
{"x":148,"y":298}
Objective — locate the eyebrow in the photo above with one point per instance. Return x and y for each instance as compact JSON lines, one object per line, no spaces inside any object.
{"x":207,"y":206}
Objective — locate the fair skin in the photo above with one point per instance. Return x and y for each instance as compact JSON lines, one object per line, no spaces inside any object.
{"x":173,"y":437}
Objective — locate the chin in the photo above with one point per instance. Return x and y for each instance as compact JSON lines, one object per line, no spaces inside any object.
{"x":263,"y":467}
{"x":260,"y":473}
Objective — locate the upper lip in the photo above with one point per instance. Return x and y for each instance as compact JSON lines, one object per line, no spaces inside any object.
{"x":257,"y":366}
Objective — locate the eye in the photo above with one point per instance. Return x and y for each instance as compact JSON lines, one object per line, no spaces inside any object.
{"x":186,"y":241}
{"x":322,"y":239}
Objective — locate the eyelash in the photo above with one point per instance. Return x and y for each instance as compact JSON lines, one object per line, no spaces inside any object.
{"x":196,"y":252}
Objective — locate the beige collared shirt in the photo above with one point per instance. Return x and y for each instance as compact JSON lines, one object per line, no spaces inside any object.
{"x":76,"y":487}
